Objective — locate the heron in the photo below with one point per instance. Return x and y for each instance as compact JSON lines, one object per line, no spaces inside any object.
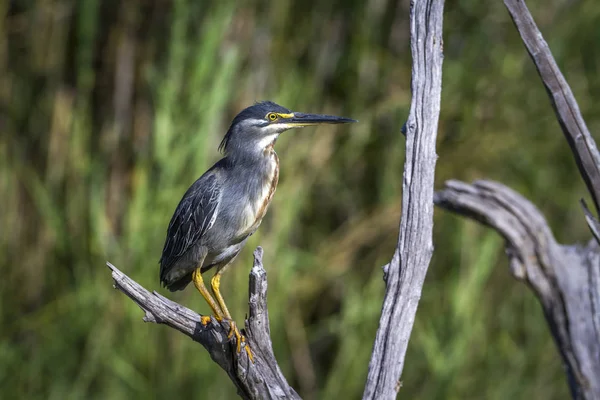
{"x":226,"y":205}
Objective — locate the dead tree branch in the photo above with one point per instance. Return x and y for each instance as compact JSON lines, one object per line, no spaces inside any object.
{"x":259,"y":380}
{"x":566,"y":279}
{"x":565,"y":106}
{"x":405,"y":274}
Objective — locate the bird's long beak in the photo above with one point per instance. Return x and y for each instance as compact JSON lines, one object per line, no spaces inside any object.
{"x":301,"y":119}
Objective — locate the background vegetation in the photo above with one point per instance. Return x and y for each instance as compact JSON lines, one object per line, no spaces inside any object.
{"x":110,"y":109}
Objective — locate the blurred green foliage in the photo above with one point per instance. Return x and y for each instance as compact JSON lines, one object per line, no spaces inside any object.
{"x":110,"y":109}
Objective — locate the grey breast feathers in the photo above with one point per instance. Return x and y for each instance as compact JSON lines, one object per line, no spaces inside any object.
{"x":194,"y":216}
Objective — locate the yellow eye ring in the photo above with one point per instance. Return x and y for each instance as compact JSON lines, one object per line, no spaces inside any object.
{"x":272,"y":116}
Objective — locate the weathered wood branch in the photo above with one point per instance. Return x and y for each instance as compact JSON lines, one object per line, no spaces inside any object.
{"x":592,"y":222}
{"x":262,"y":379}
{"x":566,"y":279}
{"x":565,"y":106}
{"x":405,"y":274}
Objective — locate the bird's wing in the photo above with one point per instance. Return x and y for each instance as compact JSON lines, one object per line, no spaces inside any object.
{"x":195,"y":214}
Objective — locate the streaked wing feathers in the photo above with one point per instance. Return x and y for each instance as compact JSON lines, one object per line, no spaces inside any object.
{"x":195,"y":214}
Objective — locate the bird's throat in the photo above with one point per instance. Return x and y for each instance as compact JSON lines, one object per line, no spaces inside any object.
{"x":266,"y":142}
{"x":269,"y":150}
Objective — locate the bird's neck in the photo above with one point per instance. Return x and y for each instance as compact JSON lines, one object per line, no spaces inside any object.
{"x":269,"y":151}
{"x":254,"y":157}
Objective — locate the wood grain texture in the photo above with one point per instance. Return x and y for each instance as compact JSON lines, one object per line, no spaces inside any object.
{"x":405,"y":274}
{"x":561,"y":96}
{"x":262,"y":379}
{"x":565,"y":279}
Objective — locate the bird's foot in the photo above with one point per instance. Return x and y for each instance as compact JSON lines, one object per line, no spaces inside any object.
{"x":205,"y":320}
{"x":239,"y":338}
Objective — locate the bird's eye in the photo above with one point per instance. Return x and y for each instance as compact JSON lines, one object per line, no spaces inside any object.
{"x":272,"y":116}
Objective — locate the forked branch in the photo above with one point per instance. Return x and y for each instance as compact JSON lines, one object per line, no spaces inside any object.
{"x":566,"y":279}
{"x":262,"y":379}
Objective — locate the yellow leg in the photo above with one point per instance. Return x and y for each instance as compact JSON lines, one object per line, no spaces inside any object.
{"x":215,"y":283}
{"x":199,"y":283}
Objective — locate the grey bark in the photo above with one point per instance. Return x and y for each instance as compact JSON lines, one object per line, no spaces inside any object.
{"x":262,"y":379}
{"x":565,"y":279}
{"x":561,"y":96}
{"x":405,"y":274}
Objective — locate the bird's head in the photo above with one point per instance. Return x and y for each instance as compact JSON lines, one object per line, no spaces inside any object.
{"x":258,"y":126}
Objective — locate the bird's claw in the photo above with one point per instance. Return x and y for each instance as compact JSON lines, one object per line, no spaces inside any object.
{"x":233,"y":330}
{"x":239,"y":338}
{"x":205,"y":320}
{"x":249,"y":352}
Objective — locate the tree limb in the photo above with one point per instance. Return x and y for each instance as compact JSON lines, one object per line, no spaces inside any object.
{"x":565,"y":106}
{"x":262,"y":379}
{"x":405,"y":274}
{"x":566,"y":279}
{"x":592,"y":222}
